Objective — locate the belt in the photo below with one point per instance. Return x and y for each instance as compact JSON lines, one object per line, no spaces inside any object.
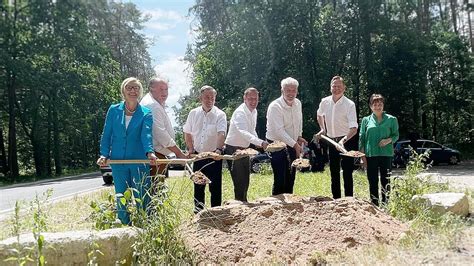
{"x":235,"y":147}
{"x":337,"y":139}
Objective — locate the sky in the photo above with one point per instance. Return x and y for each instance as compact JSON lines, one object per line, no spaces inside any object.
{"x":170,"y":30}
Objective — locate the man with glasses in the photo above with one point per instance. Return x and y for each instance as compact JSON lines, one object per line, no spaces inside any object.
{"x":163,"y":132}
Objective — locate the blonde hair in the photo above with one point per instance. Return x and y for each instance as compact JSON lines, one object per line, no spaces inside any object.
{"x":129,"y":80}
{"x":338,"y":78}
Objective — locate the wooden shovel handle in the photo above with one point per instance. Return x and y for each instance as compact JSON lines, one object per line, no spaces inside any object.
{"x":334,"y":143}
{"x":158,"y":161}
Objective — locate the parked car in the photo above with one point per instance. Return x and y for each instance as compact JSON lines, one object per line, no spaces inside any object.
{"x":106,"y":172}
{"x":261,"y":159}
{"x":174,"y":166}
{"x":258,"y":161}
{"x":438,"y":153}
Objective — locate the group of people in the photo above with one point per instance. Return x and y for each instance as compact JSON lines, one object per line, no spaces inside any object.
{"x":137,"y":129}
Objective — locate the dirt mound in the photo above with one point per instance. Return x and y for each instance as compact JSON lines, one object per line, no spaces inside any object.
{"x":287,"y":228}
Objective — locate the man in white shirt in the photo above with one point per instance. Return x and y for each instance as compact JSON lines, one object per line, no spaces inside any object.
{"x":285,"y":123}
{"x":163,"y":132}
{"x":241,"y":134}
{"x":204,"y":131}
{"x":337,"y":119}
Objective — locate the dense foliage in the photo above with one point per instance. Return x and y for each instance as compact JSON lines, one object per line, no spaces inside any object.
{"x":61,"y":64}
{"x":413,"y":52}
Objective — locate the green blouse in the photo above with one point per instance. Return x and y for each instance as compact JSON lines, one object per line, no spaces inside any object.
{"x":372,"y":132}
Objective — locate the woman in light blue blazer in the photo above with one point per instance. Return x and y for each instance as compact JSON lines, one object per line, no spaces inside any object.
{"x":128,"y":135}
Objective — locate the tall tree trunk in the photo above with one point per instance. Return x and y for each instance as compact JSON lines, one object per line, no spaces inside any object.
{"x":47,"y":153}
{"x":355,"y":61}
{"x":3,"y":156}
{"x":56,"y":139}
{"x":37,"y":145}
{"x":426,"y":17}
{"x":365,"y":10}
{"x":12,"y":144}
{"x":471,"y":38}
{"x":435,"y":120}
{"x":452,"y":5}
{"x":11,"y":87}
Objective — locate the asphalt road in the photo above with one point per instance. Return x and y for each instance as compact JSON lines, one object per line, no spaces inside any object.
{"x":62,"y":188}
{"x":459,"y":176}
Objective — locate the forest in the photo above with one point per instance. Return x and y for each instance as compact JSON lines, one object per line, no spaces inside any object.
{"x":61,"y":63}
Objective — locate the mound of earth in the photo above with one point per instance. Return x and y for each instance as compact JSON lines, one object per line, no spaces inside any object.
{"x":287,"y":228}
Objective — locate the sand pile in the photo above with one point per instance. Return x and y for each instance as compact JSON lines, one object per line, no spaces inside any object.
{"x":287,"y":228}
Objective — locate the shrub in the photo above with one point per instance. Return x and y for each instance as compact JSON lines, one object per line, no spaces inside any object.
{"x":158,"y":237}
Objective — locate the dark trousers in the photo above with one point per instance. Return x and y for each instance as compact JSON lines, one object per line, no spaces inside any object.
{"x":214,"y":172}
{"x":374,"y":165}
{"x":336,"y":161}
{"x":283,"y":173}
{"x":240,"y":173}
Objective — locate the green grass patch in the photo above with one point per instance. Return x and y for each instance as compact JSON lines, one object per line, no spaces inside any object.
{"x":160,"y":239}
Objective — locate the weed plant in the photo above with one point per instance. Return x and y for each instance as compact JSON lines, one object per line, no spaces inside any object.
{"x":159,"y":239}
{"x":38,"y":227}
{"x":425,"y":223}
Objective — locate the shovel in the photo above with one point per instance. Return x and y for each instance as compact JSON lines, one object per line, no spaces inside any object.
{"x":339,"y":147}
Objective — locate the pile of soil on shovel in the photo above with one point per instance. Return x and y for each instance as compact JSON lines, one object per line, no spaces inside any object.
{"x":287,"y":228}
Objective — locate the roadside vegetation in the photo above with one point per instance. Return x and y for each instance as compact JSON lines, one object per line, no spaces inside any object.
{"x":27,"y":176}
{"x":159,"y":239}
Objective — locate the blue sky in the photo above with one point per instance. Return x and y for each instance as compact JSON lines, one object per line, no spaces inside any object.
{"x":170,"y":30}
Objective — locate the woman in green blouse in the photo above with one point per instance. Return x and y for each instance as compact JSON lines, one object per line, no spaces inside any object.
{"x":378,"y":132}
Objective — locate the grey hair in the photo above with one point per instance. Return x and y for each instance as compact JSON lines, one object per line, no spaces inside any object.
{"x":251,"y":89}
{"x":207,"y":87}
{"x":156,"y":80}
{"x":289,"y":81}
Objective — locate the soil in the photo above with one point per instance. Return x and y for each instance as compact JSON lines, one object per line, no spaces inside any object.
{"x":275,"y":146}
{"x":206,"y":155}
{"x":301,"y":163}
{"x":287,"y":228}
{"x":248,"y":151}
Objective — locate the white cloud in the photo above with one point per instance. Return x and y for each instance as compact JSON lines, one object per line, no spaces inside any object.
{"x":163,"y":20}
{"x":161,"y":14}
{"x":177,"y":71}
{"x":160,"y":26}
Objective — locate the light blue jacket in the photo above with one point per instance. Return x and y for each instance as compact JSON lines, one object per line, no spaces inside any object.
{"x":134,"y":142}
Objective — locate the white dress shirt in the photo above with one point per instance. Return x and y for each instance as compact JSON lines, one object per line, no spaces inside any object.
{"x":163,"y":132}
{"x":204,"y":127}
{"x":284,"y":122}
{"x":339,"y":116}
{"x":242,"y":128}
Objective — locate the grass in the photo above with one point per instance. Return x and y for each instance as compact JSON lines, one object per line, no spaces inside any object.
{"x":426,"y":240}
{"x":72,"y":214}
{"x":65,"y":215}
{"x":306,"y":184}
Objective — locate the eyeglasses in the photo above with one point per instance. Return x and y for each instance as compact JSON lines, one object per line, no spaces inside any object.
{"x":132,"y":88}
